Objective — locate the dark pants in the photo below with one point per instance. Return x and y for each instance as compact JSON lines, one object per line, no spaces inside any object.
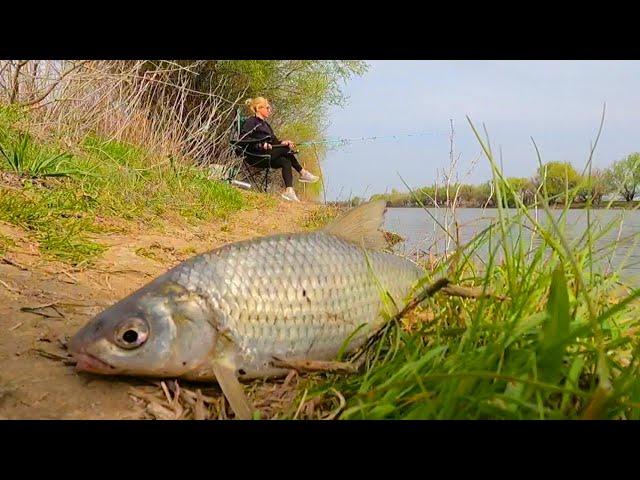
{"x":280,"y":158}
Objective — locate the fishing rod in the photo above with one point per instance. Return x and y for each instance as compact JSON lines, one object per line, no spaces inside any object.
{"x":344,"y":141}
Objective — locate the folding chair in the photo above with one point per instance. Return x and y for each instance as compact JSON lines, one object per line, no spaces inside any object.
{"x":242,"y":148}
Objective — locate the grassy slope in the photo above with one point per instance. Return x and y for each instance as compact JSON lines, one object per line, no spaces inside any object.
{"x":107,"y":182}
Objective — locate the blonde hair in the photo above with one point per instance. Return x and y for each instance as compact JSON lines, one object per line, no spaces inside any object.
{"x":254,"y":103}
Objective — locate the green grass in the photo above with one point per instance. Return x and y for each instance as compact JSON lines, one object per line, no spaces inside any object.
{"x":319,"y":218}
{"x":23,"y":159}
{"x":5,"y":244}
{"x":99,"y":179}
{"x":138,"y":187}
{"x":59,"y":220}
{"x":9,"y":117}
{"x":562,"y":345}
{"x":22,"y":155}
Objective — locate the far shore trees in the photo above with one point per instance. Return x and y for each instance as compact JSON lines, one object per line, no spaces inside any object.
{"x":558,"y":182}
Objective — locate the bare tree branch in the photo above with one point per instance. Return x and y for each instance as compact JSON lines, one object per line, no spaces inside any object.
{"x":54,"y":85}
{"x":14,"y":83}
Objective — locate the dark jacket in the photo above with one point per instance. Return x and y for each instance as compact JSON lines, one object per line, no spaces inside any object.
{"x":255,"y":128}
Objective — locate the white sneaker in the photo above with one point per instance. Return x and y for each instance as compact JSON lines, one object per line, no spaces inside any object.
{"x":290,"y":194}
{"x":308,"y":177}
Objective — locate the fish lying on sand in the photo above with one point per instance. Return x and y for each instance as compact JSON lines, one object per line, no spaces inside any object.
{"x":225,"y":315}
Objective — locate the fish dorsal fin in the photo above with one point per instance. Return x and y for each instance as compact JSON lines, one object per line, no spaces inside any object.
{"x":361,"y":225}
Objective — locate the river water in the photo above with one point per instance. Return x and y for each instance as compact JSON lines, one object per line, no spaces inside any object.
{"x":616,"y":233}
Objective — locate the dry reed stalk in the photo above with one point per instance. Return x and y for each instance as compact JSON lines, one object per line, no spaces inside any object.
{"x":152,"y":104}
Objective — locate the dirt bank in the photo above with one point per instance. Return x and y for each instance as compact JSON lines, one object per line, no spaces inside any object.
{"x":43,"y":302}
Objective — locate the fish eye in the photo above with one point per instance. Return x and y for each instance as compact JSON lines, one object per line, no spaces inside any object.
{"x":131,"y":333}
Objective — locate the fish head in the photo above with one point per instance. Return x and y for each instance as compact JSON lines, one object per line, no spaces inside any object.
{"x":161,"y":330}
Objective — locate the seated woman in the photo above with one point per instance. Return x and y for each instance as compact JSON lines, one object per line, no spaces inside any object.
{"x":256,"y":127}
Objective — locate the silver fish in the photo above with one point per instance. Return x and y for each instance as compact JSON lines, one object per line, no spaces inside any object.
{"x":226,"y":314}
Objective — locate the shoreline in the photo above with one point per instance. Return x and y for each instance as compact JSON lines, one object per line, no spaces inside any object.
{"x":552,"y":207}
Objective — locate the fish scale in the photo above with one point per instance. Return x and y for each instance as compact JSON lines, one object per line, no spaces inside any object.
{"x":294,"y":296}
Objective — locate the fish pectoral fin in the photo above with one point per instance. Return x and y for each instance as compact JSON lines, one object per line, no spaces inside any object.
{"x":232,"y":389}
{"x":302,"y":365}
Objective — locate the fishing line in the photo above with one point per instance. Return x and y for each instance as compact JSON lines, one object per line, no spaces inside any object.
{"x":345,"y":141}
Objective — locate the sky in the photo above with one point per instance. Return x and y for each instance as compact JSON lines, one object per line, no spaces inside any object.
{"x":558,"y":103}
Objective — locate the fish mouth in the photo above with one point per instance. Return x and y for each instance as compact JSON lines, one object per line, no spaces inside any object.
{"x":89,"y":363}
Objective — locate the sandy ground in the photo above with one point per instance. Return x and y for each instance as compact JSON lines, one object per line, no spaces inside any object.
{"x":43,"y":303}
